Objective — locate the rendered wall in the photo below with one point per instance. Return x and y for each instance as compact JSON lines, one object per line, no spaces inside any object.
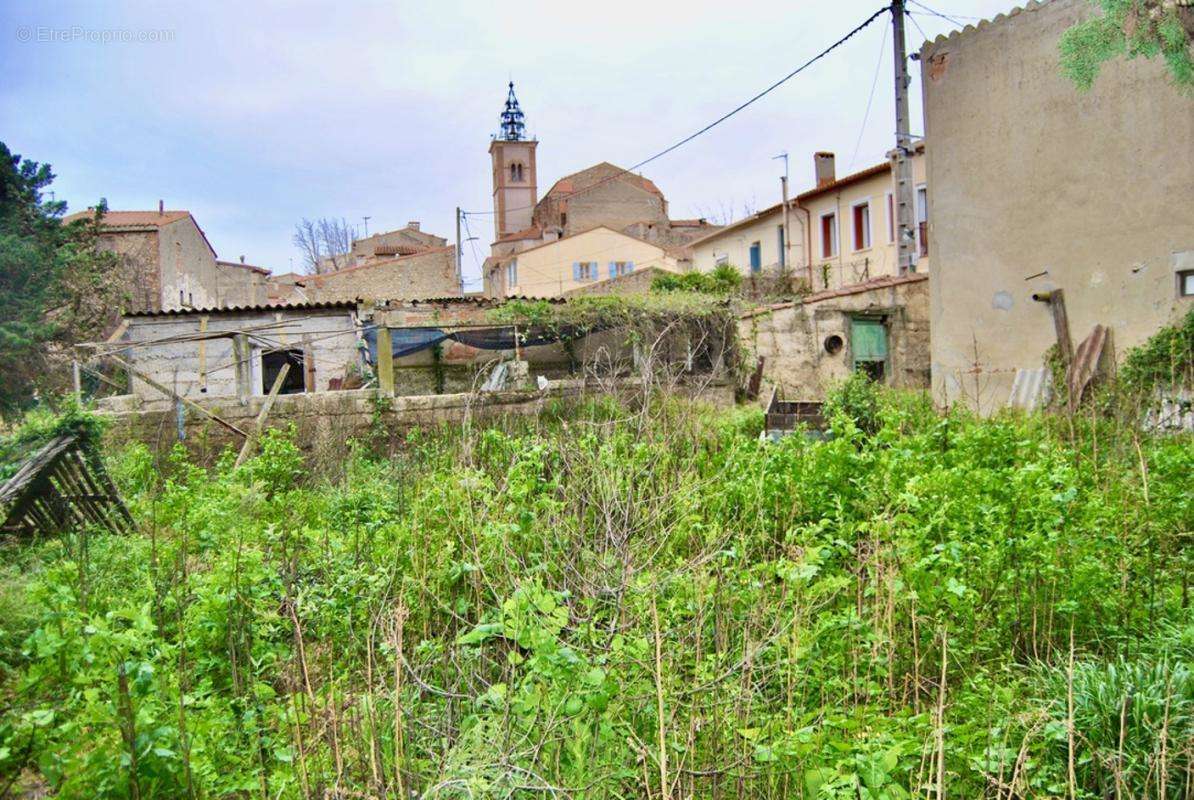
{"x":1037,"y":186}
{"x":791,"y":337}
{"x":546,"y":271}
{"x":188,"y":267}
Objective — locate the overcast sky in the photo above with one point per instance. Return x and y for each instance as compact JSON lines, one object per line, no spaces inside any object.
{"x":254,"y":115}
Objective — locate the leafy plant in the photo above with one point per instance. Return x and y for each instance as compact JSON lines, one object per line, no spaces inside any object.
{"x":1131,"y":29}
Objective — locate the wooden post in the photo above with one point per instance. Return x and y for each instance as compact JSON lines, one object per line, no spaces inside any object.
{"x":203,"y":356}
{"x":308,"y":364}
{"x":241,"y":352}
{"x":251,"y":439}
{"x":78,"y":380}
{"x":1061,"y":322}
{"x":385,"y":361}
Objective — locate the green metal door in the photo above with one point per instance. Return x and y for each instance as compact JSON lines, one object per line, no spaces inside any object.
{"x":868,"y":340}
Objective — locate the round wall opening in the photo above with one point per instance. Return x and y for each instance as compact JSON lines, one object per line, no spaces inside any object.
{"x":833,"y":344}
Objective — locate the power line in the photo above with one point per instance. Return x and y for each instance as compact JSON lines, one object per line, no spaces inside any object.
{"x":939,"y":14}
{"x":472,"y":240}
{"x":869,"y":100}
{"x":917,"y":24}
{"x":723,"y":117}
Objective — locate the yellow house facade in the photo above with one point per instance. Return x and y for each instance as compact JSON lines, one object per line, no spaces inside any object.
{"x":554,"y":268}
{"x":841,"y":233}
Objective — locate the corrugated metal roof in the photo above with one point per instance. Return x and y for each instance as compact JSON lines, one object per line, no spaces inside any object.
{"x":1031,"y":389}
{"x":295,"y":306}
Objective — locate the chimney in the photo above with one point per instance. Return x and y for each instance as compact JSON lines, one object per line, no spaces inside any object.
{"x":413,"y":225}
{"x":242,"y":259}
{"x":161,"y":208}
{"x":823,"y":166}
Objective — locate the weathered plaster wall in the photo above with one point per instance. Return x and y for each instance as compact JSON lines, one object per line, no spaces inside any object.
{"x":189,"y":366}
{"x":1036,"y":186}
{"x":790,"y":337}
{"x":188,"y":267}
{"x":237,"y":285}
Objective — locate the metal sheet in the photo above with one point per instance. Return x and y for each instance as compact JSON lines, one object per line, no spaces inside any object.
{"x":1031,"y":389}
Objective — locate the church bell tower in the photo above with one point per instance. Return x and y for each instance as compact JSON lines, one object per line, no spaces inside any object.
{"x":514,"y":189}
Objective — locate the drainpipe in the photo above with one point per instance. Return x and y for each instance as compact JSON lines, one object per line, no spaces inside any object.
{"x":808,"y":242}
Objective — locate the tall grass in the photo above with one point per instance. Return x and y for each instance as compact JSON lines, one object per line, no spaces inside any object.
{"x":624,"y":603}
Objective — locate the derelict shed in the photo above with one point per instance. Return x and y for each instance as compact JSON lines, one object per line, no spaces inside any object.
{"x":239,"y":352}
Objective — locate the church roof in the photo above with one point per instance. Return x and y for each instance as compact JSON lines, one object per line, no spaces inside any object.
{"x":597,"y":174}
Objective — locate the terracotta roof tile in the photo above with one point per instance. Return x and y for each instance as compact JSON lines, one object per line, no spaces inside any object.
{"x":132,"y":219}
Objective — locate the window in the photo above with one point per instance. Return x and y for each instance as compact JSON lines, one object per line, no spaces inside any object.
{"x":1185,"y":283}
{"x":516,"y":173}
{"x":583,"y":271}
{"x":512,"y":273}
{"x":271,"y":365}
{"x":721,"y":259}
{"x":563,"y":219}
{"x":890,"y":217}
{"x":862,"y":225}
{"x":783,"y":256}
{"x":617,"y":268}
{"x":828,"y":235}
{"x":756,"y":257}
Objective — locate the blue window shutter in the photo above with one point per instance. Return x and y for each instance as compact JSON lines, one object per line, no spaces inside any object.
{"x":630,"y":266}
{"x":613,"y":269}
{"x":576,"y":271}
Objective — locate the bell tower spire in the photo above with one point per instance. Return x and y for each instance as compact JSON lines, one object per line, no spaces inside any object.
{"x":513,"y":127}
{"x":513,"y":154}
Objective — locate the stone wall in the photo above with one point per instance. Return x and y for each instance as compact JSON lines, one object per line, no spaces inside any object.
{"x":326,"y":421}
{"x":1037,"y":186}
{"x":791,"y":337}
{"x":423,"y":275}
{"x":138,"y":253}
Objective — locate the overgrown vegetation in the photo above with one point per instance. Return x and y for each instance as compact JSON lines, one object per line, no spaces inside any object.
{"x":725,"y":279}
{"x":56,"y":289}
{"x":610,"y":602}
{"x":1131,"y":29}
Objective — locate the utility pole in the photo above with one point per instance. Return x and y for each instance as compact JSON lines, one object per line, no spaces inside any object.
{"x":901,"y":157}
{"x":366,"y":225}
{"x":459,"y":271}
{"x":785,"y":257}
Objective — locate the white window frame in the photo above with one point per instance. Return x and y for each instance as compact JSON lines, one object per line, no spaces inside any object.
{"x":512,"y":273}
{"x":721,"y":259}
{"x":868,"y":233}
{"x":835,"y":241}
{"x":916,"y":213}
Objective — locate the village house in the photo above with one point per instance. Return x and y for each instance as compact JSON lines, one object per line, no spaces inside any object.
{"x":1041,"y":189}
{"x":238,"y":283}
{"x":602,"y":197}
{"x":840,"y":232}
{"x":553,"y":269}
{"x":168,"y":261}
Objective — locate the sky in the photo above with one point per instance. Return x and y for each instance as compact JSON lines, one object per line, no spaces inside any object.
{"x":255,"y":115}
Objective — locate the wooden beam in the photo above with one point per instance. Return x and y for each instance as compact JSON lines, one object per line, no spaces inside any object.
{"x":385,"y":361}
{"x":251,"y":439}
{"x":191,"y":404}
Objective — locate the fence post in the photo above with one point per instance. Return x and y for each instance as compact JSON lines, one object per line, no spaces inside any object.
{"x":385,"y":361}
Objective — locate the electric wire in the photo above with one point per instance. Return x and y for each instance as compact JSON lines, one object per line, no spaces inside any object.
{"x":869,"y":100}
{"x":741,"y":107}
{"x":939,"y":14}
